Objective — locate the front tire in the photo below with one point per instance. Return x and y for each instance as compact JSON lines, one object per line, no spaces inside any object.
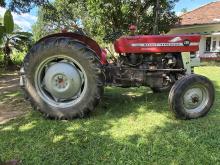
{"x":63,"y":78}
{"x":191,"y":97}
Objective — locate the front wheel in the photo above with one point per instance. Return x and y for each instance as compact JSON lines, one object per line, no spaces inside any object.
{"x":191,"y":97}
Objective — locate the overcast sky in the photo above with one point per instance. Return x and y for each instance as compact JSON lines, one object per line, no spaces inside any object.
{"x":25,"y":21}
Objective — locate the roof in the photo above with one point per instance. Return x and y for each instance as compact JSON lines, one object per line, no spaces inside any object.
{"x":206,"y":14}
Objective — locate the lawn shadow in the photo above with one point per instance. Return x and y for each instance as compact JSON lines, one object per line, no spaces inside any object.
{"x":120,"y":102}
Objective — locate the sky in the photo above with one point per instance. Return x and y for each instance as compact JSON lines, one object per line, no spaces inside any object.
{"x":25,"y":21}
{"x":190,"y":4}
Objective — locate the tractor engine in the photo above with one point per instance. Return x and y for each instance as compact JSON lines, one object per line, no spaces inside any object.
{"x":147,"y":69}
{"x":154,"y":61}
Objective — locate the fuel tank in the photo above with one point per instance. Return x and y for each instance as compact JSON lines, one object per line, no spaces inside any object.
{"x":157,"y":43}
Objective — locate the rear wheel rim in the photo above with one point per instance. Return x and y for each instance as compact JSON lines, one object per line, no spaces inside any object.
{"x":195,"y":98}
{"x":60,"y":81}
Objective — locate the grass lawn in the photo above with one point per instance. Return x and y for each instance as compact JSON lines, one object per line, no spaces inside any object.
{"x":130,"y":126}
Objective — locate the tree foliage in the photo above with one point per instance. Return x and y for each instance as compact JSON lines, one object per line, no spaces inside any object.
{"x":8,"y":22}
{"x":11,"y":38}
{"x":104,"y":17}
{"x":40,"y":28}
{"x":22,"y":6}
{"x":2,"y":3}
{"x":99,"y":17}
{"x":184,"y":10}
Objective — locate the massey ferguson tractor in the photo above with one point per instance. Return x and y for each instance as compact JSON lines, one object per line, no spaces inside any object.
{"x":64,"y":74}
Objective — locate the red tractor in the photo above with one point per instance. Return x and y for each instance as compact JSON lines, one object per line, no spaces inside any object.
{"x":64,"y":74}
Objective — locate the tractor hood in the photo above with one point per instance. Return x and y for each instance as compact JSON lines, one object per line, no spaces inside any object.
{"x":157,"y":43}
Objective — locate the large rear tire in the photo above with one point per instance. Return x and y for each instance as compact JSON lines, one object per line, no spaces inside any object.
{"x":62,"y":78}
{"x":191,"y":97}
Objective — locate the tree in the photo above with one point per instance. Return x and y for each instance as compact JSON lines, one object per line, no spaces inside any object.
{"x":11,"y":39}
{"x":59,"y":15}
{"x":104,"y":17}
{"x":2,"y":3}
{"x":40,"y":29}
{"x":22,"y":6}
{"x":184,"y":10}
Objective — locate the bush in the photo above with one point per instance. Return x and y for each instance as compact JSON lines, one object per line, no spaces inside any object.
{"x":16,"y":57}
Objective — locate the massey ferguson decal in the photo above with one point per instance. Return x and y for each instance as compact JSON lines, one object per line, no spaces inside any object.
{"x":176,"y":39}
{"x":185,"y":43}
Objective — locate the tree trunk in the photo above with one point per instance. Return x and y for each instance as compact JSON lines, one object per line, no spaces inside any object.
{"x":7,"y":59}
{"x":156,"y":12}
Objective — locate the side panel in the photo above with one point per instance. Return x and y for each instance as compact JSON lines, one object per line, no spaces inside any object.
{"x":189,"y":62}
{"x":84,"y":39}
{"x":157,"y":43}
{"x":186,"y":61}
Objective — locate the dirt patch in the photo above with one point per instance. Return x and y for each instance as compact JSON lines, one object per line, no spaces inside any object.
{"x":12,"y":103}
{"x":6,"y":114}
{"x":9,"y":82}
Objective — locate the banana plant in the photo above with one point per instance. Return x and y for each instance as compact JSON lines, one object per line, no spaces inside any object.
{"x":12,"y":39}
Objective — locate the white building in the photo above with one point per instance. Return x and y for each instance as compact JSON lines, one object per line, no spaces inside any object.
{"x":205,"y":21}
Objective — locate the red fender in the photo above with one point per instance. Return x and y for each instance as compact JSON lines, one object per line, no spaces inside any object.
{"x":84,"y":39}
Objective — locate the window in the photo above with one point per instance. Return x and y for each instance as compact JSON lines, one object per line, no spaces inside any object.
{"x":213,"y":45}
{"x":208,"y":44}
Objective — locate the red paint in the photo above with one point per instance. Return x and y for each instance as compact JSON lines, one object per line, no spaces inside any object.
{"x":93,"y":45}
{"x":64,"y":30}
{"x":123,"y":44}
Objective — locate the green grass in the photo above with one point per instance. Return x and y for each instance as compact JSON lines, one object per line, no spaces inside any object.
{"x":130,"y":126}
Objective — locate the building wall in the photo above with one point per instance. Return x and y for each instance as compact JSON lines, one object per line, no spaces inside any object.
{"x":202,"y":45}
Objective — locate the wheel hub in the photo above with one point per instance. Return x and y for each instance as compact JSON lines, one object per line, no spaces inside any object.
{"x":63,"y":81}
{"x":193,"y":98}
{"x":60,"y":81}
